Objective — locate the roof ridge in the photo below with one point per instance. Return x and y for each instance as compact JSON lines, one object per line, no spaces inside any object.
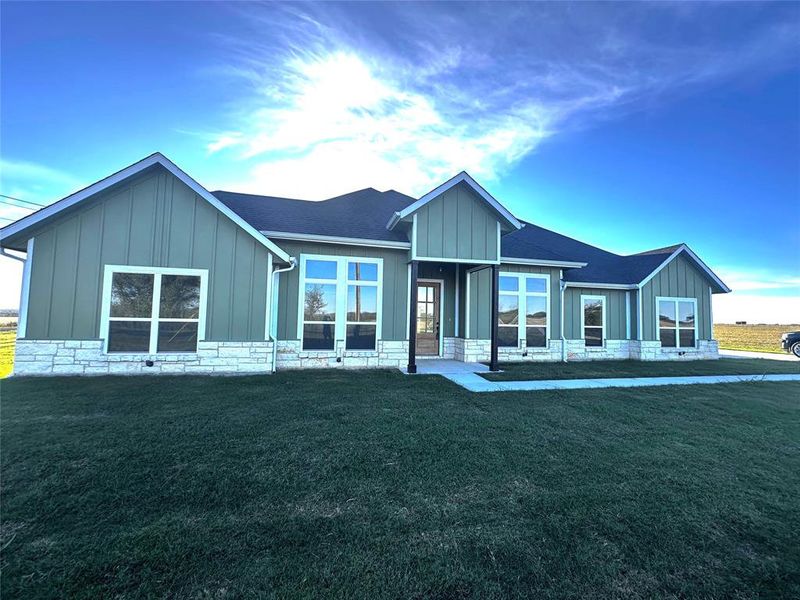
{"x":215,"y":192}
{"x":663,"y":250}
{"x":570,"y":238}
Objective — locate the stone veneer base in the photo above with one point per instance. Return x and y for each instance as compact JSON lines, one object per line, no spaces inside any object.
{"x":389,"y":354}
{"x":86,"y":357}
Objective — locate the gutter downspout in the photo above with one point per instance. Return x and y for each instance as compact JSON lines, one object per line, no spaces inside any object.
{"x":14,"y":256}
{"x":272,"y":307}
{"x":562,"y":286}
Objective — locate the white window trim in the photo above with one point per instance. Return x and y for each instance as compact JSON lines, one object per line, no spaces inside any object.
{"x":676,"y":300}
{"x":583,"y":321}
{"x":522,"y":303}
{"x":157,"y":272}
{"x":342,"y":282}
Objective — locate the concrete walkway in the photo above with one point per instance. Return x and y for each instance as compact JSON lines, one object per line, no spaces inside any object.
{"x":466,"y":375}
{"x":476,"y":383}
{"x":445,"y":366}
{"x":768,"y":355}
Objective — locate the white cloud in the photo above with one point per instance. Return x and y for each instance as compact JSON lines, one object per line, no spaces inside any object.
{"x":331,"y":97}
{"x":15,"y":170}
{"x":741,"y":281}
{"x":33,"y":183}
{"x":340,"y":125}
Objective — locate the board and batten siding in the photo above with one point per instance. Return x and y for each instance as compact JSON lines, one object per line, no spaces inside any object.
{"x":680,"y":278}
{"x":152,"y":219}
{"x":616,"y":319}
{"x":456,"y":225}
{"x":395,"y":286}
{"x":480,"y":299}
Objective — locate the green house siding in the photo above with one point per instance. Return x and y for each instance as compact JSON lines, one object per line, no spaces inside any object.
{"x":480,"y":299}
{"x":616,"y":320}
{"x":680,"y":278}
{"x":153,"y":219}
{"x":456,"y":225}
{"x":633,"y":302}
{"x":395,"y":287}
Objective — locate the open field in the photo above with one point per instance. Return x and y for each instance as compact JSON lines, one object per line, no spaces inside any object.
{"x":7,"y":338}
{"x":342,"y":484}
{"x":758,"y":338}
{"x":604,"y":369}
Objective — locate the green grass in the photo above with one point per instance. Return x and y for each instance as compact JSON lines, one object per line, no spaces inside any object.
{"x":7,"y":339}
{"x":753,"y":338}
{"x":604,"y":369}
{"x":378,"y":485}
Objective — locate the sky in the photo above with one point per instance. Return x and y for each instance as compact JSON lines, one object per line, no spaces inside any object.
{"x":629,"y":126}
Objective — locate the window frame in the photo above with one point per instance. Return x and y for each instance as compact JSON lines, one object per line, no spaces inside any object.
{"x":342,"y":283}
{"x":522,"y":307}
{"x":154,"y":318}
{"x":583,"y":320}
{"x":676,"y":300}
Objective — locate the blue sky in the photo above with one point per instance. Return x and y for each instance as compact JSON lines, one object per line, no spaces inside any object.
{"x":627,"y":125}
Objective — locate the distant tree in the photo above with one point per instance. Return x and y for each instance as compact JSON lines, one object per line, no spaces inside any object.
{"x":315,"y":302}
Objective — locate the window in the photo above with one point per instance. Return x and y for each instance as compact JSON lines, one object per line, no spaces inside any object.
{"x":426,"y":309}
{"x":523,"y":294}
{"x":677,"y":327}
{"x":319,"y":305}
{"x":153,"y":310}
{"x":593,"y":320}
{"x":341,"y":302}
{"x":362,"y":306}
{"x":508,"y":311}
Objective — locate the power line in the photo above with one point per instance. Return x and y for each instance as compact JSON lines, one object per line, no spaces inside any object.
{"x":7,"y":203}
{"x":23,"y":201}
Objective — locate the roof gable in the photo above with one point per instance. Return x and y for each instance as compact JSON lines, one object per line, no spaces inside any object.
{"x":462,"y":177}
{"x":683,"y":249}
{"x":130,"y":171}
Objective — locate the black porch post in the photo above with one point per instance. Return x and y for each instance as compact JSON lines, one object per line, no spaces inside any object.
{"x":495,"y":288}
{"x":412,"y":321}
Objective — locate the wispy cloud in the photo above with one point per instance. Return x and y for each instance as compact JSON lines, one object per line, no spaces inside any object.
{"x":32,"y":182}
{"x":761,"y":280}
{"x":336,"y":97}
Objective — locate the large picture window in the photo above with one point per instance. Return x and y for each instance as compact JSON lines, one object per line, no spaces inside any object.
{"x":319,"y":304}
{"x":340,"y":302}
{"x":677,"y":322}
{"x":523,"y":295}
{"x":593,"y":320}
{"x":153,"y":310}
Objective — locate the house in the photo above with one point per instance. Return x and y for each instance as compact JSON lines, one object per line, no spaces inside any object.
{"x":147,"y":271}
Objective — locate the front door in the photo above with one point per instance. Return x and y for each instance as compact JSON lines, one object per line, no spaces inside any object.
{"x":428,"y":298}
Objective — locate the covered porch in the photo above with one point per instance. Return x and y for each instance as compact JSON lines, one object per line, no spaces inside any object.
{"x":438,"y":311}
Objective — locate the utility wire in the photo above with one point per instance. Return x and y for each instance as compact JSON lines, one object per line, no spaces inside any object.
{"x":23,"y":201}
{"x":7,"y":203}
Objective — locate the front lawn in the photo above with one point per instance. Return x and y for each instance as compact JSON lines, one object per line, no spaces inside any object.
{"x":604,"y":369}
{"x":380,"y":485}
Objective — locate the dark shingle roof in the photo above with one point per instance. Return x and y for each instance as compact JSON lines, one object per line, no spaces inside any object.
{"x":364,"y":214}
{"x":361,"y":214}
{"x":533,"y":241}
